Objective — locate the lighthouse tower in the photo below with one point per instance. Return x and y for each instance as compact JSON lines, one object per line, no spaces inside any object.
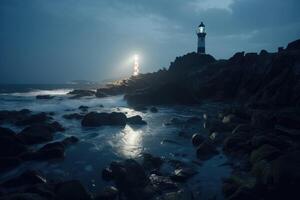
{"x":201,"y":38}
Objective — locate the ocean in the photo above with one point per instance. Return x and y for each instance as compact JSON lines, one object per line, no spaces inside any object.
{"x":100,"y":146}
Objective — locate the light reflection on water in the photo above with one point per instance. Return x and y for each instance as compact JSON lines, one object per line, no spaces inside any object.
{"x":131,"y":143}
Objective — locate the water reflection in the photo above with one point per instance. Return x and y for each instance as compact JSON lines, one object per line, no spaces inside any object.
{"x":131,"y":142}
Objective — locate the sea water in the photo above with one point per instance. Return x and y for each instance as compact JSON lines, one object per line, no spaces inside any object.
{"x":100,"y":146}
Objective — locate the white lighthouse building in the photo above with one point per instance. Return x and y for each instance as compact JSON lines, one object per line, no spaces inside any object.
{"x":201,"y":38}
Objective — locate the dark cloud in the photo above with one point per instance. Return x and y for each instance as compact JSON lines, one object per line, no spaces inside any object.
{"x":62,"y":40}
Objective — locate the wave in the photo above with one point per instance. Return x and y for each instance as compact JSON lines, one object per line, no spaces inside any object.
{"x":55,"y":92}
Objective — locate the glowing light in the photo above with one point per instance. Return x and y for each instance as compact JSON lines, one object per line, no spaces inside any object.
{"x":136,"y":67}
{"x":131,"y":142}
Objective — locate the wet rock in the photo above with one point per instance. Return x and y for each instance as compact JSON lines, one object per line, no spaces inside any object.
{"x":243,"y":193}
{"x":14,"y":116}
{"x":151,"y":162}
{"x":22,"y":196}
{"x":197,"y":139}
{"x":71,"y":190}
{"x":94,"y":119}
{"x":153,"y":110}
{"x":237,"y":144}
{"x":81,"y":93}
{"x":9,"y":163}
{"x":218,"y":126}
{"x":162,"y":183}
{"x":206,"y":150}
{"x":73,"y":116}
{"x":178,"y":195}
{"x":140,"y":108}
{"x":34,"y":119}
{"x":10,"y":144}
{"x":289,"y":120}
{"x":44,"y":97}
{"x":100,"y":94}
{"x":108,"y":193}
{"x":107,"y":174}
{"x":70,"y":141}
{"x":229,"y":186}
{"x":136,"y":120}
{"x":36,"y":134}
{"x":182,"y":174}
{"x":56,"y":127}
{"x":276,"y":141}
{"x":262,"y":119}
{"x":242,"y":128}
{"x":83,"y":108}
{"x":27,"y":178}
{"x":266,"y":152}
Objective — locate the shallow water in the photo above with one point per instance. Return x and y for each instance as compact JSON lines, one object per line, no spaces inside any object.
{"x":99,"y":146}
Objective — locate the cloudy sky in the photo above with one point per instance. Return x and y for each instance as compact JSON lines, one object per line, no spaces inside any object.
{"x":55,"y":41}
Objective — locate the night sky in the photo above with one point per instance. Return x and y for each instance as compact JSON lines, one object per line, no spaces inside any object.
{"x":56,"y":41}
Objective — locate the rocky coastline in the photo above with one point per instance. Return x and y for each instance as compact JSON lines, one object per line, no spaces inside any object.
{"x":259,"y":132}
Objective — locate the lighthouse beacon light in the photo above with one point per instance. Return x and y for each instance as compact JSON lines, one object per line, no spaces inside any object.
{"x":136,"y":67}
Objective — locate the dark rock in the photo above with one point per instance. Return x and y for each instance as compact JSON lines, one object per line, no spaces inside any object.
{"x":56,"y":127}
{"x":218,"y":126}
{"x":70,"y":140}
{"x":243,"y":193}
{"x":197,"y":139}
{"x":182,"y":174}
{"x":206,"y":150}
{"x":100,"y":94}
{"x":22,"y":196}
{"x":44,"y":97}
{"x":73,"y":116}
{"x":34,"y":119}
{"x":94,"y":119}
{"x":9,"y":163}
{"x":288,"y":120}
{"x":140,"y":108}
{"x":162,"y":183}
{"x":266,"y":152}
{"x":26,"y":178}
{"x":262,"y":120}
{"x":136,"y":120}
{"x":153,"y":110}
{"x":151,"y":162}
{"x":83,"y":108}
{"x":71,"y":190}
{"x":81,"y":93}
{"x":108,"y":193}
{"x":193,"y":120}
{"x":259,"y":140}
{"x":237,"y":143}
{"x":10,"y":144}
{"x":295,"y":45}
{"x":36,"y":134}
{"x":107,"y":174}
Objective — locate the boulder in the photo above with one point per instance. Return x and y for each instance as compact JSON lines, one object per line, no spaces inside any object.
{"x":70,"y":141}
{"x":108,"y":193}
{"x":151,"y":162}
{"x":44,"y":97}
{"x":81,"y":93}
{"x":206,"y":150}
{"x":35,"y":134}
{"x":262,"y":120}
{"x":73,"y":116}
{"x":94,"y":119}
{"x":10,"y":144}
{"x":83,"y":108}
{"x":136,"y":120}
{"x":71,"y":190}
{"x":22,"y":196}
{"x":265,"y":152}
{"x":34,"y":119}
{"x":29,"y":177}
{"x":183,"y":173}
{"x":9,"y":163}
{"x":197,"y":139}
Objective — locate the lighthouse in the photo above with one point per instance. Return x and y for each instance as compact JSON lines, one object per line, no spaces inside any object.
{"x":201,"y":38}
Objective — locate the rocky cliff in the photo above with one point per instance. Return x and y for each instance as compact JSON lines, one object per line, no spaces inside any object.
{"x":257,"y":80}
